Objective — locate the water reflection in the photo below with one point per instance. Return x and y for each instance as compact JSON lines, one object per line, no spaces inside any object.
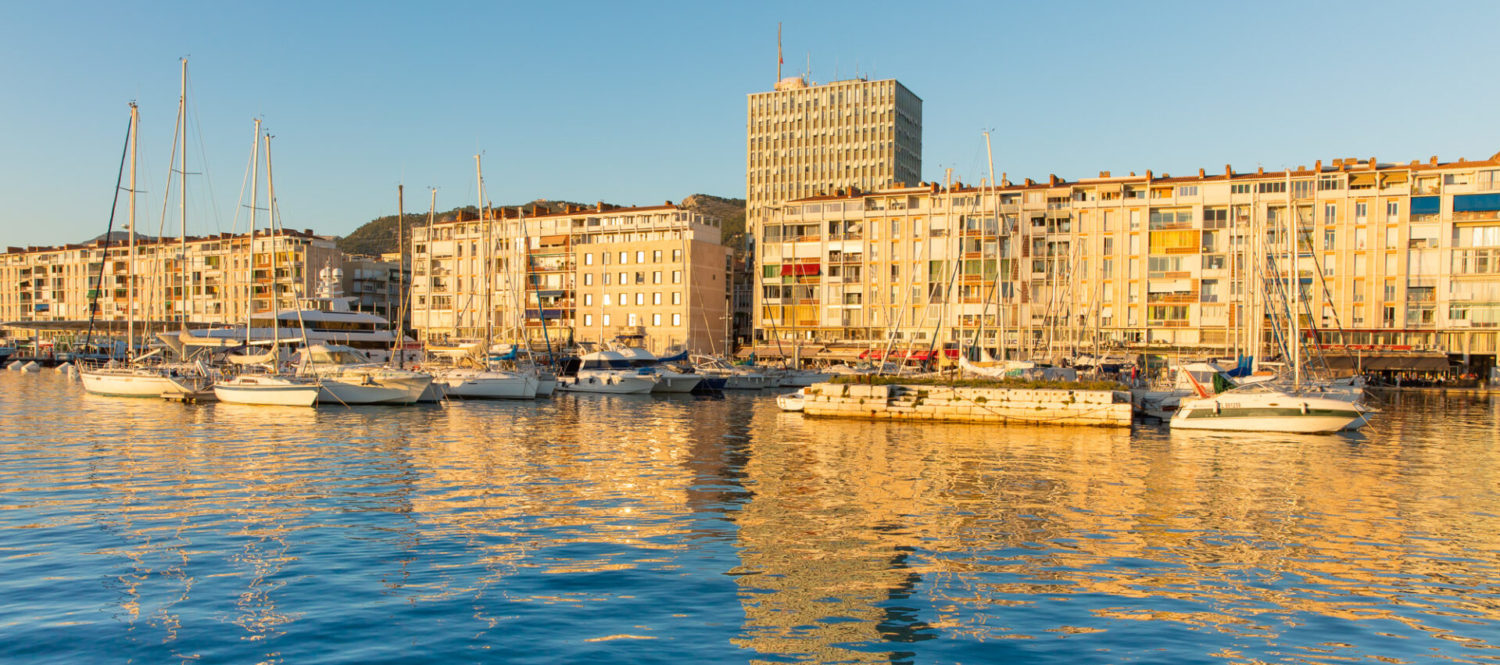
{"x":636,"y":528}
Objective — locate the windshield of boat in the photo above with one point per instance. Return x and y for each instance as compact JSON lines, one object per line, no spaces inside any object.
{"x":324,"y":356}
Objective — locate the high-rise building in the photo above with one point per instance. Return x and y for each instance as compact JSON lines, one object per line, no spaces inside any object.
{"x":805,"y":139}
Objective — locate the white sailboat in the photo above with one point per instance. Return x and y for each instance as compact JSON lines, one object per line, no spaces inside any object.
{"x":269,"y":386}
{"x":348,"y":377}
{"x":132,"y":378}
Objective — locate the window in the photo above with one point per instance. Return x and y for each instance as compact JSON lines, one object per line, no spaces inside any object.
{"x":588,"y":299}
{"x":588,"y":319}
{"x":606,"y":300}
{"x":1240,"y":188}
{"x":606,"y":319}
{"x":676,"y":255}
{"x":588,"y":278}
{"x":676,"y":298}
{"x":1330,"y":182}
{"x":656,"y":277}
{"x":656,"y":256}
{"x":588,"y":259}
{"x":624,"y":278}
{"x":676,"y":319}
{"x":1329,"y":236}
{"x":1392,"y":212}
{"x":1361,"y":212}
{"x":624,"y":258}
{"x":1302,"y":189}
{"x":1330,"y":213}
{"x":656,"y":298}
{"x":1274,"y":187}
{"x":655,"y":319}
{"x":640,"y":256}
{"x":606,"y":279}
{"x":1360,"y":238}
{"x":1187,"y":190}
{"x":676,"y":276}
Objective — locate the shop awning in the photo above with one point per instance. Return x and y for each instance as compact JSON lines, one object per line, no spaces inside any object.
{"x":1387,"y":361}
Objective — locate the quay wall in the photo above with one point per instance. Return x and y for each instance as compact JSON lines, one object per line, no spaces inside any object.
{"x":1098,"y":408}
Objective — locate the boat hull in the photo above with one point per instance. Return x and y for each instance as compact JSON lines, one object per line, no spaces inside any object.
{"x":375,"y":391}
{"x":122,"y":384}
{"x":1318,"y":419}
{"x":266,"y":392}
{"x":631,"y":384}
{"x":481,"y":386}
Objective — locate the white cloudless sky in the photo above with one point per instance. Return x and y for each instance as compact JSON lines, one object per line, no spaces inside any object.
{"x":637,"y":103}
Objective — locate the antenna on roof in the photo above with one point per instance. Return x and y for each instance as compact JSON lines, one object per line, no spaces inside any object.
{"x":778,"y":52}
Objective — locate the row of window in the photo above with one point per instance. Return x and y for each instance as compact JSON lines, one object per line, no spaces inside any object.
{"x":640,"y":299}
{"x":625,"y":278}
{"x":633,"y":319}
{"x":640,"y":257}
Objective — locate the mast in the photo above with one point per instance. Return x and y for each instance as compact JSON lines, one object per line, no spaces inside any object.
{"x":427,"y":313}
{"x":182,"y":198}
{"x":489,"y":327}
{"x":401,"y":295}
{"x":271,"y":226}
{"x":1294,"y":282}
{"x":999,"y":255}
{"x":135,"y":121}
{"x":254,"y":202}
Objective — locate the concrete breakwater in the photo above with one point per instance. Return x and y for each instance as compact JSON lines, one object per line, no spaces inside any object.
{"x":1099,"y":408}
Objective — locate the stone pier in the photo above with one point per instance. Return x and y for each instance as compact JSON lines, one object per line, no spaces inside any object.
{"x":1098,"y":408}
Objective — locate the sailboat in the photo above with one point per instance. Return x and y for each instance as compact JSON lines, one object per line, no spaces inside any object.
{"x":267,"y":386}
{"x":480,"y":380}
{"x":134,"y":378}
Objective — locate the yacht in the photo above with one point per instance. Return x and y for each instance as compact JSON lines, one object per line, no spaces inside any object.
{"x":267,"y":389}
{"x":476,"y":383}
{"x":325,"y":318}
{"x":667,"y":380}
{"x":606,"y":372}
{"x":736,"y":377}
{"x":1264,"y":407}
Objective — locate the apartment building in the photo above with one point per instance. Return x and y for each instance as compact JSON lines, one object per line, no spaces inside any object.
{"x":1388,"y":257}
{"x":586,"y":274}
{"x":805,"y":139}
{"x":209,"y":280}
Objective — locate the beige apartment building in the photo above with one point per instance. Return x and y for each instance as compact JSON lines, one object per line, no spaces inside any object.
{"x":207,"y":279}
{"x":1389,"y":257}
{"x":805,"y":139}
{"x":587,"y":274}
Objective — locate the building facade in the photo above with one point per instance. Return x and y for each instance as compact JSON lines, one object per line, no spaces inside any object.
{"x":806,"y":139}
{"x":209,"y":279}
{"x":581,"y":275}
{"x":1388,"y":257}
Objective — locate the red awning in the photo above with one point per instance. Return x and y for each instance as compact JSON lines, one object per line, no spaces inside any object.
{"x":800,"y":269}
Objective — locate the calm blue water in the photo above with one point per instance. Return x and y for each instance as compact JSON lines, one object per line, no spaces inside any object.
{"x":641,"y":530}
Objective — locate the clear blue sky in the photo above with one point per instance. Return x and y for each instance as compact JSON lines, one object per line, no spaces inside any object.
{"x":636,"y":103}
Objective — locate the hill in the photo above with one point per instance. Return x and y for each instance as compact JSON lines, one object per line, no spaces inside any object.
{"x":378,"y":236}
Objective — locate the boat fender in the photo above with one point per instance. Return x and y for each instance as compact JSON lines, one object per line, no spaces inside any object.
{"x":1304,"y":408}
{"x":1218,"y":408}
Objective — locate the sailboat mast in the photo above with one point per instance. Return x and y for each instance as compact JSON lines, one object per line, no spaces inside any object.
{"x":1294,"y":282}
{"x":999,"y":255}
{"x":271,"y":226}
{"x":182,"y":198}
{"x":427,"y":311}
{"x":254,"y":204}
{"x":401,"y":294}
{"x":135,"y":121}
{"x":489,"y":328}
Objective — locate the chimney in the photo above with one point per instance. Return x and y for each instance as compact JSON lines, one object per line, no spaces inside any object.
{"x":1260,"y":170}
{"x":599,"y":206}
{"x":1052,"y":179}
{"x":1434,"y":160}
{"x":1201,"y":173}
{"x":1318,"y":166}
{"x":1104,"y":174}
{"x":934,"y":186}
{"x":1030,"y":182}
{"x":1228,"y":172}
{"x":669,"y":203}
{"x":1373,"y":163}
{"x":1148,"y":174}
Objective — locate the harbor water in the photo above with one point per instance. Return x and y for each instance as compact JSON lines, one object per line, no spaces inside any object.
{"x":641,"y":529}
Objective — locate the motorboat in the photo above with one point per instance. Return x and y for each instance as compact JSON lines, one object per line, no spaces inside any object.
{"x":1266,"y":407}
{"x":793,"y":401}
{"x":667,"y":380}
{"x":606,"y":372}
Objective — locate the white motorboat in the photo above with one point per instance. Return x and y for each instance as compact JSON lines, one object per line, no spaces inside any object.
{"x":792,"y":401}
{"x":606,"y":372}
{"x":348,"y":377}
{"x":267,"y":389}
{"x":801,"y":378}
{"x":473,"y":383}
{"x":665,"y":378}
{"x":1267,"y":408}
